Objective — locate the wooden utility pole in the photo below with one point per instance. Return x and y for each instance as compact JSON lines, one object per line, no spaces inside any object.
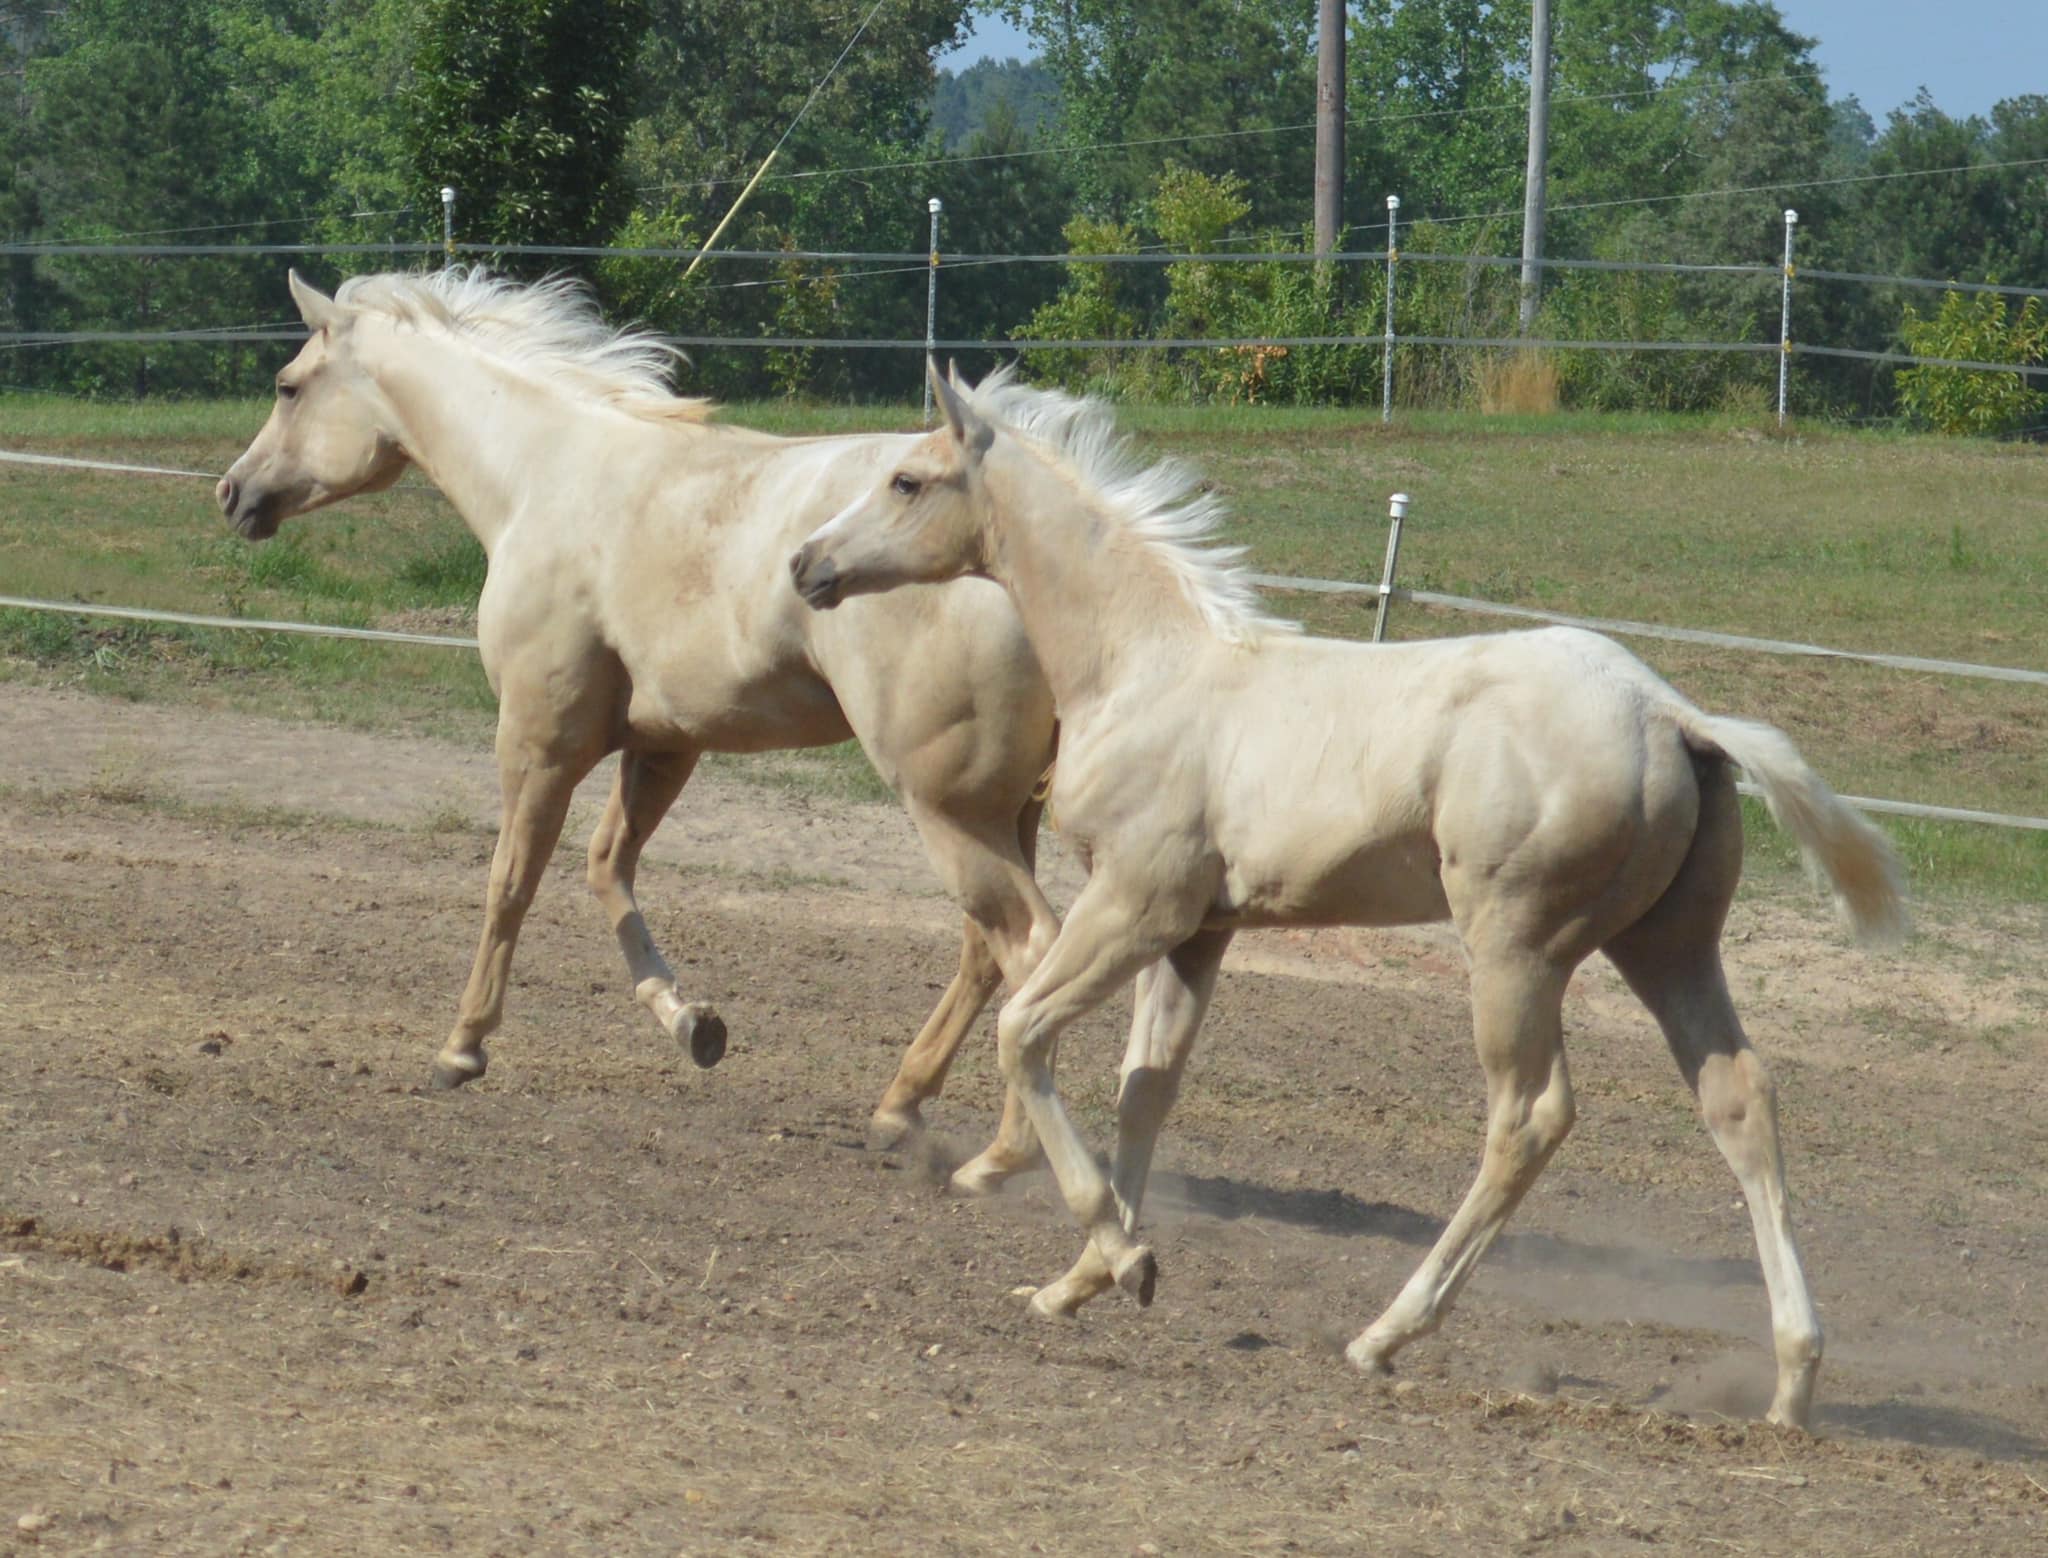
{"x":1329,"y":123}
{"x":1539,"y":148}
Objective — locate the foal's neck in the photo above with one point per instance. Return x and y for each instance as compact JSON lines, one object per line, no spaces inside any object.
{"x":1100,"y":604}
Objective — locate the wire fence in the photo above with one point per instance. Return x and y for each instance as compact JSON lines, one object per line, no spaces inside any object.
{"x":1385,"y":589}
{"x":1400,"y":331}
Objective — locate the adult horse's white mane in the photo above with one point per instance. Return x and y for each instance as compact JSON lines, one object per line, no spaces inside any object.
{"x":1161,"y":505}
{"x":551,"y":328}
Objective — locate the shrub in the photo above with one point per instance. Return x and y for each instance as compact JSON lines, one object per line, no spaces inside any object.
{"x":1974,"y":328}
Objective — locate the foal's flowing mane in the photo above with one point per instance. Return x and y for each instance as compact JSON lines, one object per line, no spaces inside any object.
{"x":1160,"y":505}
{"x":551,"y":328}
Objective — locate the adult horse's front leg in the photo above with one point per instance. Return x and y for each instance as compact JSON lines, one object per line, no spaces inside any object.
{"x":536,"y":787}
{"x":647,"y":786}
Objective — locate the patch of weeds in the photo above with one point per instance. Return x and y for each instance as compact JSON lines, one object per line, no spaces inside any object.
{"x":122,"y":778}
{"x":447,"y":816}
{"x":452,"y":574}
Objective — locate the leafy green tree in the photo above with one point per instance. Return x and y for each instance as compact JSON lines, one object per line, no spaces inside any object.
{"x":1219,"y":86}
{"x":524,"y":106}
{"x":138,"y":132}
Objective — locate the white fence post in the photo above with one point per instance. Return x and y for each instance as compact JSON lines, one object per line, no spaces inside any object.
{"x":931,"y":308}
{"x":447,"y":225}
{"x":1397,"y":510}
{"x":1387,"y":348}
{"x":1785,"y":316}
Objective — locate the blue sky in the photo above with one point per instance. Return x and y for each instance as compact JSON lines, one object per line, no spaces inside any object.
{"x":1881,"y":51}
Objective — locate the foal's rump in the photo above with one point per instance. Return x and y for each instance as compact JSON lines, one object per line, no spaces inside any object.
{"x":1841,"y":848}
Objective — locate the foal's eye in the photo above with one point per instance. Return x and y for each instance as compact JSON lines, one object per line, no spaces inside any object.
{"x":287,"y":390}
{"x":907,"y":485}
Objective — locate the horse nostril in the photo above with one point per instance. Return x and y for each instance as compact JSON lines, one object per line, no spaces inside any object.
{"x":798,"y":560}
{"x":225,"y":492}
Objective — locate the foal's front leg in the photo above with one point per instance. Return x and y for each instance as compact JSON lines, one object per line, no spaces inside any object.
{"x":1099,"y":949}
{"x":647,"y":786}
{"x":1173,"y":997}
{"x":536,"y":785}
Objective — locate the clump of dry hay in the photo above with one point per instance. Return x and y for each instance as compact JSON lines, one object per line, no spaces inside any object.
{"x":1524,"y":383}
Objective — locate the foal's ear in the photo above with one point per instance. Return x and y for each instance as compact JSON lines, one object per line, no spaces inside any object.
{"x":319,"y":310}
{"x":968,"y":430}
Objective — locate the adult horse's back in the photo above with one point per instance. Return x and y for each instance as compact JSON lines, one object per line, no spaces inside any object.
{"x":636,"y":602}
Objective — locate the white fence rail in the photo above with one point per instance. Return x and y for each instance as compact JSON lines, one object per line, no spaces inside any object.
{"x":1385,"y":590}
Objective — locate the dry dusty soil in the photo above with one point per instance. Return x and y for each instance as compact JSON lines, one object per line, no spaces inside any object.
{"x":261,"y":1292}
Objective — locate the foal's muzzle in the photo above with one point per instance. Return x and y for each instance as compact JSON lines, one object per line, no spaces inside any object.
{"x":815,"y":576}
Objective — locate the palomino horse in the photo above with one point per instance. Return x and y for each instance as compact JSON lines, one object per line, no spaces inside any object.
{"x":636,"y":603}
{"x":1544,"y":791}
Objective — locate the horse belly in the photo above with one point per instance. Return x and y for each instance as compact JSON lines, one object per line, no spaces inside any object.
{"x":761,"y":714}
{"x":1379,"y":881}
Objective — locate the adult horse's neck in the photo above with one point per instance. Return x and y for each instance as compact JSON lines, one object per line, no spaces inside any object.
{"x":490,"y":437}
{"x":1100,"y":605}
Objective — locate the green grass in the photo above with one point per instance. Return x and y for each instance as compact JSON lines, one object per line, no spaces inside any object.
{"x":1857,"y":540}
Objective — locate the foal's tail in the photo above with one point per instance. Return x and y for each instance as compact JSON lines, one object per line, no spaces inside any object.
{"x":1849,"y":853}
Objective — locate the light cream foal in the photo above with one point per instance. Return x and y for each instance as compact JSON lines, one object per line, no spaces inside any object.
{"x":1544,"y":791}
{"x":636,"y":603}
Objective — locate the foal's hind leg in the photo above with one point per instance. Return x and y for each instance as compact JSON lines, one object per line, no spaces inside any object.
{"x":1517,"y":1006}
{"x":647,"y":785}
{"x":1672,"y":959}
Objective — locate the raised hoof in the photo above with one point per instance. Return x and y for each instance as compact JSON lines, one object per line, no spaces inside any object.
{"x":704,"y":1029}
{"x":1139,"y":1275}
{"x":451,"y":1072}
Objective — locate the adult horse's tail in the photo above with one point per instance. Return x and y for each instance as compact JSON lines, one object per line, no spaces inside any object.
{"x":1849,"y":853}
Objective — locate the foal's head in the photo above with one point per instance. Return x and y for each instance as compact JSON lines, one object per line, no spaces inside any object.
{"x":923,"y":523}
{"x":328,"y":435}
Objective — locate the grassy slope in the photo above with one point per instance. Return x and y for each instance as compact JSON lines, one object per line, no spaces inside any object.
{"x":1912,"y":545}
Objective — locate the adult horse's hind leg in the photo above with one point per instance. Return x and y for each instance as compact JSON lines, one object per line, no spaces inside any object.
{"x":1672,"y":959}
{"x":647,"y":785}
{"x":921,"y":1075}
{"x":1517,"y":1011}
{"x":986,"y":866}
{"x":535,"y":786}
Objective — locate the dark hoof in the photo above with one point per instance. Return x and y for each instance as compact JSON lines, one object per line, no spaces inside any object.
{"x":707,"y":1037}
{"x":1139,"y":1277}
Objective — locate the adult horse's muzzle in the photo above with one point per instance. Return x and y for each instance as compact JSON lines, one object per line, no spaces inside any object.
{"x":815,"y":576}
{"x":253,"y":521}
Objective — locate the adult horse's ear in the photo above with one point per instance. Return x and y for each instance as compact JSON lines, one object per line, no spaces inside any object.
{"x":968,"y":430}
{"x":315,"y":307}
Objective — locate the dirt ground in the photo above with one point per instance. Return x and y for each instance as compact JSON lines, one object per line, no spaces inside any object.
{"x":261,"y":1292}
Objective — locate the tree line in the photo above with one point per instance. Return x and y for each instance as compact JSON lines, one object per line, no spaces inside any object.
{"x":1680,"y":131}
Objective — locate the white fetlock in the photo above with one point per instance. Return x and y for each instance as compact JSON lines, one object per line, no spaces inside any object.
{"x":1370,"y":1354}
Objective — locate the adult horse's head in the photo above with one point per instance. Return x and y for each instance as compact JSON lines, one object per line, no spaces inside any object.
{"x":329,"y":434}
{"x":923,"y":523}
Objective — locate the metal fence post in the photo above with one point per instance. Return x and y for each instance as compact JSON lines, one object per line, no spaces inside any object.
{"x":931,"y":308}
{"x":1785,"y":316}
{"x":447,"y":225}
{"x":1397,"y":510}
{"x":1387,"y":348}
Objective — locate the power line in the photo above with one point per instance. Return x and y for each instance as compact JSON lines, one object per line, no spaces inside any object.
{"x":1410,"y":116}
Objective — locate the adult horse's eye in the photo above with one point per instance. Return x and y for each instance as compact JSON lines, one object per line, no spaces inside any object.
{"x":287,"y":390}
{"x":907,"y":485}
